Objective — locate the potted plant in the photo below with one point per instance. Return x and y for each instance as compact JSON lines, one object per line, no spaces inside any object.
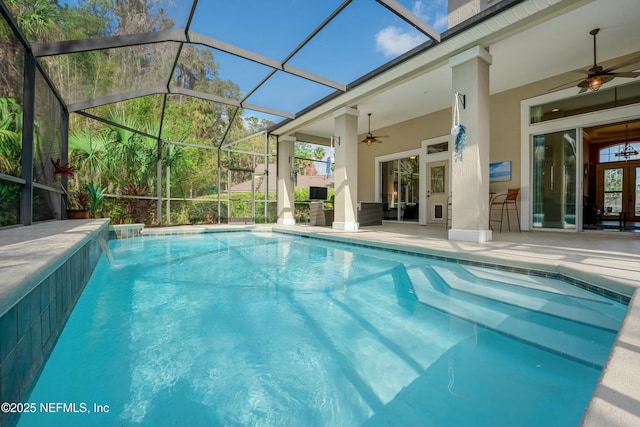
{"x":78,"y":205}
{"x":96,"y":195}
{"x":78,"y":202}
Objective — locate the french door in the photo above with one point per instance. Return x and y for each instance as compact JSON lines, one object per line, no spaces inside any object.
{"x":618,"y":190}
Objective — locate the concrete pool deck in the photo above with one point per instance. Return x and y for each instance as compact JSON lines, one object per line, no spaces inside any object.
{"x":608,"y":260}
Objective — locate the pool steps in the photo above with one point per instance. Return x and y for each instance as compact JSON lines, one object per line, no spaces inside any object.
{"x":536,"y":300}
{"x":542,"y":320}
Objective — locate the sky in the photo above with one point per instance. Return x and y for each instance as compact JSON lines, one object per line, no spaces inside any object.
{"x":393,"y":41}
{"x":364,"y":36}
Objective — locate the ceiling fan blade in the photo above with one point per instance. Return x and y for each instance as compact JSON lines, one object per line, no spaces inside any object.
{"x":583,"y":85}
{"x":623,"y":64}
{"x":565,"y":85}
{"x":632,"y":74}
{"x":380,"y":136}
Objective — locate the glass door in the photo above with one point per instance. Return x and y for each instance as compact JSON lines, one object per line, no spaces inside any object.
{"x":389,"y":190}
{"x":554,"y":180}
{"x":409,"y":188}
{"x":400,"y":189}
{"x":618,"y":190}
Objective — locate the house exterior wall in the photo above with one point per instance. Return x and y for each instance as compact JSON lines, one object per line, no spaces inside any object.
{"x":403,"y":136}
{"x":504,"y":137}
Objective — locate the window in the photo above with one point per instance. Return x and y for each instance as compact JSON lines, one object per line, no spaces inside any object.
{"x":437,"y":180}
{"x":441,"y":147}
{"x":613,"y":179}
{"x":608,"y":154}
{"x":595,"y":101}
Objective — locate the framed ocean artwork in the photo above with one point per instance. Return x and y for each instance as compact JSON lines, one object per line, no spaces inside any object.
{"x":500,"y":171}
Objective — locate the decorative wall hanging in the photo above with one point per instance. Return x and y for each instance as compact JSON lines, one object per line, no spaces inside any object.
{"x":458,"y":129}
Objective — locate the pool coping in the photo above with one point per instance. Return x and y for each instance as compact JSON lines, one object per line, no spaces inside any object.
{"x":30,"y":254}
{"x":27,"y":254}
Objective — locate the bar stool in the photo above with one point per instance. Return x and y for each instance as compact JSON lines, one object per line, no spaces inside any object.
{"x":503,"y":202}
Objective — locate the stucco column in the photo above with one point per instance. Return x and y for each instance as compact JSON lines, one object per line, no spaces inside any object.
{"x":470,"y":173}
{"x":346,"y":170}
{"x":286,"y":204}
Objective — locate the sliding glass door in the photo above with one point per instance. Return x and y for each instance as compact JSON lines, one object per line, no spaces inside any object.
{"x":554,"y":180}
{"x":400,"y":189}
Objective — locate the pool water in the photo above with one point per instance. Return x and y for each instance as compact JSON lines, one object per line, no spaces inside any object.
{"x":265,"y":329}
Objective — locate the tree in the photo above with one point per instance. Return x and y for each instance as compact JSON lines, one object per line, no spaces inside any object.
{"x":10,"y":136}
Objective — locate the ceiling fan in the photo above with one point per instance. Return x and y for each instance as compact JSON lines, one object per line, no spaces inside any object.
{"x":370,"y":138}
{"x":596,"y":75}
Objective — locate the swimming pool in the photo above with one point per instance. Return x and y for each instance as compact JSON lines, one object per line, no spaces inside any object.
{"x":268,"y":329}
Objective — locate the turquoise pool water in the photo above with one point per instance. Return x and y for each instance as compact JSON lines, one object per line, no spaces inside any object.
{"x":267,"y":329}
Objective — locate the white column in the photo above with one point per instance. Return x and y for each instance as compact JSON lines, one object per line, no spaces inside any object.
{"x":470,"y":175}
{"x":286,"y":204}
{"x":346,"y":170}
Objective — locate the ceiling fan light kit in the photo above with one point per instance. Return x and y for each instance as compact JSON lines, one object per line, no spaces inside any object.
{"x":596,"y":75}
{"x":370,"y":138}
{"x":595,"y":83}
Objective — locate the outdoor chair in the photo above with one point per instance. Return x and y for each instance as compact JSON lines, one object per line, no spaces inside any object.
{"x":504,"y":202}
{"x":318,"y":215}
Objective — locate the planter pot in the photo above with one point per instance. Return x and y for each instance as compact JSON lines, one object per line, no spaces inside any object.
{"x":73,"y":214}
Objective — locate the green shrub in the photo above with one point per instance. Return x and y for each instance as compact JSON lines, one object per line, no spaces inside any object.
{"x":203,"y":213}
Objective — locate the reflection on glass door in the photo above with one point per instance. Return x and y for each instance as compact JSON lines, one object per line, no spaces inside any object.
{"x":554,"y":180}
{"x":400,"y":189}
